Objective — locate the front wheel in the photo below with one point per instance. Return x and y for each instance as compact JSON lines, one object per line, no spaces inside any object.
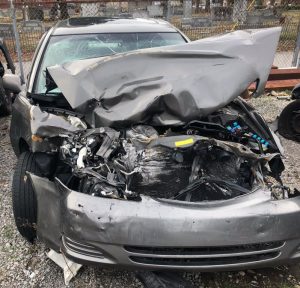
{"x":23,"y":196}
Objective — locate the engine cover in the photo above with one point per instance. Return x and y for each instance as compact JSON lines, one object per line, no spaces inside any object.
{"x":162,"y":172}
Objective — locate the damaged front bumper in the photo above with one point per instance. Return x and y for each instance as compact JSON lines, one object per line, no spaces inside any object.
{"x":246,"y":232}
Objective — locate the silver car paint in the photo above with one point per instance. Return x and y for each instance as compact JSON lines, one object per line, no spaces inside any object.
{"x":104,"y":227}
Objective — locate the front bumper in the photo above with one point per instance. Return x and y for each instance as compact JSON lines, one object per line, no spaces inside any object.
{"x":246,"y":232}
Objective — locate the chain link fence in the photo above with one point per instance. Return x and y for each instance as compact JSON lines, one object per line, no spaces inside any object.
{"x":22,"y":23}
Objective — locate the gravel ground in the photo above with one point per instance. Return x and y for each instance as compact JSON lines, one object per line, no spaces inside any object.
{"x":26,"y":265}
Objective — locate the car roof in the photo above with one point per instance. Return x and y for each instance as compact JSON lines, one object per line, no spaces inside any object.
{"x":89,"y":25}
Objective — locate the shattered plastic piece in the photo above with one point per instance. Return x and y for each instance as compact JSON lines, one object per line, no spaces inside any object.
{"x":69,"y":267}
{"x":81,"y":156}
{"x":75,"y":121}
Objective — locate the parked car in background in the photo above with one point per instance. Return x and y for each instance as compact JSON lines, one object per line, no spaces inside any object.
{"x":289,"y":119}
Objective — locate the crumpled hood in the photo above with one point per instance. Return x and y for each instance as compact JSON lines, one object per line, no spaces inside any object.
{"x":168,"y":85}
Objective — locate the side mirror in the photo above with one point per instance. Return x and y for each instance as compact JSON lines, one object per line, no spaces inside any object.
{"x":12,"y":83}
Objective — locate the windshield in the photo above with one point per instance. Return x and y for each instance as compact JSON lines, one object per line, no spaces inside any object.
{"x":67,"y":48}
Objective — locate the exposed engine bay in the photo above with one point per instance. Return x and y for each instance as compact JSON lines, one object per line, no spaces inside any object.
{"x":227,"y":154}
{"x":166,"y":133}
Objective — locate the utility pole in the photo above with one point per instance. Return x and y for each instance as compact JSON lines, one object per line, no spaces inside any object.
{"x":296,"y":55}
{"x":240,"y":11}
{"x":169,"y":12}
{"x":17,"y":39}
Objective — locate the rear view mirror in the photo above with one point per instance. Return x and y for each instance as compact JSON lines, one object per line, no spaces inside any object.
{"x":12,"y":83}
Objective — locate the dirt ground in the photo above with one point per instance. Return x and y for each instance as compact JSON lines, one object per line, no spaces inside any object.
{"x":26,"y":265}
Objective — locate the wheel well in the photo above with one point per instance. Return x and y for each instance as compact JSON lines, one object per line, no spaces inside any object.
{"x":23,"y":146}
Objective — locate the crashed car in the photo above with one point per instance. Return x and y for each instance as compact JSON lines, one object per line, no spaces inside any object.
{"x":149,"y":158}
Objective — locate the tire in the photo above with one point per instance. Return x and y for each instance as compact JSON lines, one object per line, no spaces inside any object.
{"x":23,"y":196}
{"x":289,"y":121}
{"x":5,"y":101}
